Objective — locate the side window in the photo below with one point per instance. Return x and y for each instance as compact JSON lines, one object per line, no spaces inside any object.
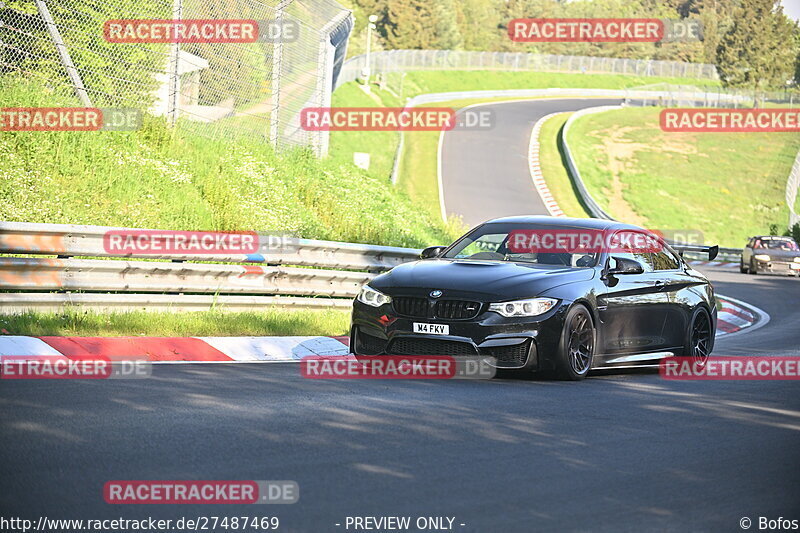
{"x":641,"y":258}
{"x":624,"y":244}
{"x":665,"y":260}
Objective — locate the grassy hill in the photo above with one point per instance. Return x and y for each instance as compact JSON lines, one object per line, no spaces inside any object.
{"x":432,"y":81}
{"x":727,"y":185}
{"x":159,"y":178}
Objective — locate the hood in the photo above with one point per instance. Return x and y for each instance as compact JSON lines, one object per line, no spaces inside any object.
{"x":778,"y":255}
{"x":482,"y":280}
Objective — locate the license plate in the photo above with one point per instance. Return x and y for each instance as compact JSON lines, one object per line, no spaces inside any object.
{"x":433,"y":329}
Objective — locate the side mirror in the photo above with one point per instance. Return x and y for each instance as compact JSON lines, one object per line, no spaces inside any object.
{"x":432,"y":251}
{"x":625,"y":266}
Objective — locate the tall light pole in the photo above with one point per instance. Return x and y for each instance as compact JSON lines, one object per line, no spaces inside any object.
{"x":370,"y":26}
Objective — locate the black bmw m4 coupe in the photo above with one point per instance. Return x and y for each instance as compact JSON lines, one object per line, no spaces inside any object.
{"x":559,"y":296}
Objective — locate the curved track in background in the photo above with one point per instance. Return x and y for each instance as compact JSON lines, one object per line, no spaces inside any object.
{"x":485,"y":174}
{"x":617,"y":452}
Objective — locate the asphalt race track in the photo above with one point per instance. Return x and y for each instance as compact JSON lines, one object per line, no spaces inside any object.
{"x":620,"y":452}
{"x":485,"y":172}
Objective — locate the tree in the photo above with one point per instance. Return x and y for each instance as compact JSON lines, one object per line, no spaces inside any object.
{"x":479,"y":25}
{"x":410,"y":24}
{"x":758,"y":51}
{"x":448,"y":34}
{"x":797,"y":59}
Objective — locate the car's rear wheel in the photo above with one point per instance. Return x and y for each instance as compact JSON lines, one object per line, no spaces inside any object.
{"x":576,"y":348}
{"x":699,"y":341}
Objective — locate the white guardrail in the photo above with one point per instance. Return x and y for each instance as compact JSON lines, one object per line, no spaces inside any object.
{"x":332,"y":276}
{"x":591,"y":205}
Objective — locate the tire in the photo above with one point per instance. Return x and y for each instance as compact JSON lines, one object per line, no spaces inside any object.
{"x":753,"y":269}
{"x":577,"y":345}
{"x":742,"y":268}
{"x":699,"y":338}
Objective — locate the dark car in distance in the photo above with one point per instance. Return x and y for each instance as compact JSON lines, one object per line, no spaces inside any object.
{"x":770,"y":254}
{"x":561,"y":313}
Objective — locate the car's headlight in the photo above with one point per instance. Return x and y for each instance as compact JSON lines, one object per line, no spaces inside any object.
{"x":762,"y":257}
{"x":368,"y":295}
{"x":797,"y":259}
{"x":532,"y":307}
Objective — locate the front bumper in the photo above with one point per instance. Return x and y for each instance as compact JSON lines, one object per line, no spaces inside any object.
{"x":778,"y":267}
{"x":520,"y":342}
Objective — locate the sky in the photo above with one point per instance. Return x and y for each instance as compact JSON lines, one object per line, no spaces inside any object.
{"x":791,"y":8}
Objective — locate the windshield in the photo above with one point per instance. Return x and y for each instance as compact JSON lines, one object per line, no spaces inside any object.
{"x":779,"y":244}
{"x":490,"y":242}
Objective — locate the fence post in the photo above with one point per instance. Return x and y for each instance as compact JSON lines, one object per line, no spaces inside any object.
{"x":325,"y":81}
{"x":325,"y":61}
{"x":63,"y":53}
{"x":275,"y":78}
{"x":174,"y":69}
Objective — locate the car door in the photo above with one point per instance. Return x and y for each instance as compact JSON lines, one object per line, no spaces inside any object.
{"x":673,"y":283}
{"x":747,"y":252}
{"x":633,"y":309}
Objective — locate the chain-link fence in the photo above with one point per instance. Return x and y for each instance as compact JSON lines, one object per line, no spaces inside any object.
{"x":216,"y":88}
{"x":792,"y":186}
{"x":398,"y":61}
{"x":668,"y":95}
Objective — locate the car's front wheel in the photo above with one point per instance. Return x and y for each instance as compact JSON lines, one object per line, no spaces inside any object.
{"x":742,"y":268}
{"x":753,"y":267}
{"x":576,"y":348}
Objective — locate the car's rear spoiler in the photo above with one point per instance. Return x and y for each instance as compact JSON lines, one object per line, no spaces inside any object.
{"x":712,"y":251}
